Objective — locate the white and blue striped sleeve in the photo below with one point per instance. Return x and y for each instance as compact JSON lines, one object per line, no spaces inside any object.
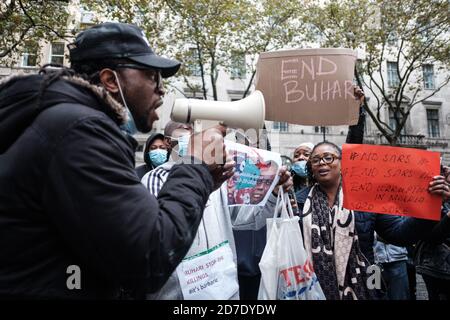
{"x":154,"y":180}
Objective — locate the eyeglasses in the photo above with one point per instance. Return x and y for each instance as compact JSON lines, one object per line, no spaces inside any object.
{"x":155,"y":76}
{"x":327,"y":159}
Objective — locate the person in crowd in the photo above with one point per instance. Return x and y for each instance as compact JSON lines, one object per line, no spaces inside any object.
{"x":340,"y":241}
{"x":393,"y":260}
{"x":216,"y":227}
{"x":75,"y":221}
{"x":176,"y":135}
{"x":432,"y":254}
{"x":155,"y":154}
{"x":298,"y":170}
{"x":301,"y":154}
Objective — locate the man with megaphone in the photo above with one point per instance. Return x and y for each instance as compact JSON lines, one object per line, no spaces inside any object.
{"x":75,"y":221}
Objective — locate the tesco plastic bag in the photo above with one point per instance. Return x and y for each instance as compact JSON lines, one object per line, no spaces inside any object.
{"x":286,"y":270}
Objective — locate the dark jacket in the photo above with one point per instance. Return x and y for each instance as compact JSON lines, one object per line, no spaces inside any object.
{"x":148,"y":165}
{"x":397,"y":230}
{"x":432,"y":255}
{"x":69,"y":195}
{"x":356,"y":132}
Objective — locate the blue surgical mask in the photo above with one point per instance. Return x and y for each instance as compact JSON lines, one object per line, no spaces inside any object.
{"x":158,"y":156}
{"x":299,"y":167}
{"x":183,"y":143}
{"x":130,"y":126}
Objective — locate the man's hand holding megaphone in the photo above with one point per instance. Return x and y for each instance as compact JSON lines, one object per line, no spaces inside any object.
{"x":209,"y":147}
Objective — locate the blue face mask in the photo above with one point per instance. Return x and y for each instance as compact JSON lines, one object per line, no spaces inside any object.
{"x":158,"y":156}
{"x":130,"y":126}
{"x":299,"y":167}
{"x":183,"y":143}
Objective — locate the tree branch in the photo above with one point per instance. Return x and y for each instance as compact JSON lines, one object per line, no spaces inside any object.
{"x":35,"y":25}
{"x":7,"y":51}
{"x":443,"y":84}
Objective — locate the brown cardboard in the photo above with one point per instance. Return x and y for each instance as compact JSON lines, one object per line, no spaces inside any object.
{"x":309,"y":86}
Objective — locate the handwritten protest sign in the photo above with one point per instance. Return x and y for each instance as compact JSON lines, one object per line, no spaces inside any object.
{"x":209,"y":275}
{"x":308,"y":86}
{"x":256,"y":174}
{"x":390,"y":180}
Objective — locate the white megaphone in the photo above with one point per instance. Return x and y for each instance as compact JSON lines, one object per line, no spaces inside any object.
{"x":248,"y":113}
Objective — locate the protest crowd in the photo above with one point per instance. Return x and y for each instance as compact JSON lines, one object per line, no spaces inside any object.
{"x":78,"y":219}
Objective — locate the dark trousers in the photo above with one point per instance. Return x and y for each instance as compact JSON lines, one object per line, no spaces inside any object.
{"x":438,"y":289}
{"x":412,"y":281}
{"x":396,"y":276}
{"x":248,"y":287}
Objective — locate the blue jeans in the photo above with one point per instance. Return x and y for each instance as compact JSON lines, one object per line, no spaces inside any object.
{"x":396,"y":276}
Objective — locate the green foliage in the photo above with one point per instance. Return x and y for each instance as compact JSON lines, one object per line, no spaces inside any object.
{"x":410,"y":33}
{"x":207,"y":35}
{"x":25,"y":23}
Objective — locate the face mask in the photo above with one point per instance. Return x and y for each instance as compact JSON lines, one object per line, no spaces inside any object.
{"x":299,"y":167}
{"x":158,"y":156}
{"x":183,"y":143}
{"x":130,"y":126}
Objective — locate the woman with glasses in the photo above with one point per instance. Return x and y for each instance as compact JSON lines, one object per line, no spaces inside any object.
{"x":339,"y":240}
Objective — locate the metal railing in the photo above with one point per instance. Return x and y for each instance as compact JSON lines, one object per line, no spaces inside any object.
{"x":415,"y":141}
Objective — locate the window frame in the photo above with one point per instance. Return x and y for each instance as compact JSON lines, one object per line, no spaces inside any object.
{"x":238,"y":68}
{"x":426,"y":74}
{"x":280,"y":126}
{"x":57,"y":55}
{"x":431,"y":132}
{"x":393,"y":79}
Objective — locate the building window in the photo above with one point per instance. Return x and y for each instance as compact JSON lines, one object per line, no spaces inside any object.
{"x":428,"y":76}
{"x":192,"y":63}
{"x":280,"y":126}
{"x":433,"y":123}
{"x":194,"y":95}
{"x":393,"y":79}
{"x":238,"y":67}
{"x":57,"y":53}
{"x":87,"y":19}
{"x":29,"y":57}
{"x":392,"y":39}
{"x":393,"y":123}
{"x":321,"y":129}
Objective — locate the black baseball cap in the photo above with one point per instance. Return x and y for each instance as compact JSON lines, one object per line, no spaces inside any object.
{"x":119,"y":40}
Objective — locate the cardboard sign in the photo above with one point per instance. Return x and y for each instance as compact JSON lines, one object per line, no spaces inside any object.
{"x":309,"y":86}
{"x":390,"y":180}
{"x":255,"y":176}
